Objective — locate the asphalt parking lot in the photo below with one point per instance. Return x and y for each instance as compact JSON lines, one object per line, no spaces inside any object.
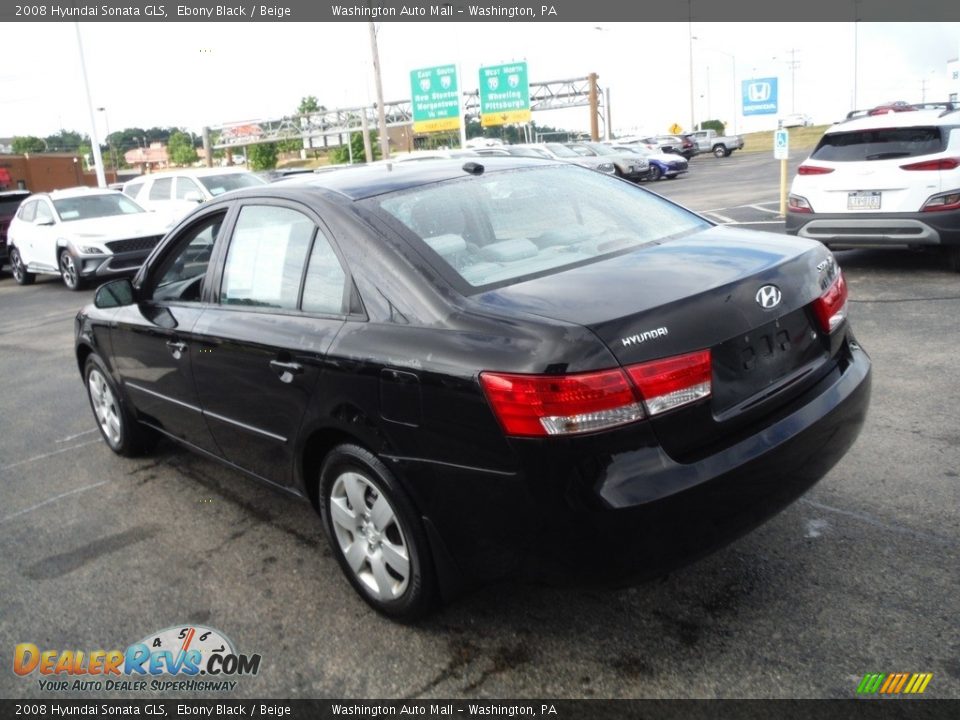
{"x":859,"y":576}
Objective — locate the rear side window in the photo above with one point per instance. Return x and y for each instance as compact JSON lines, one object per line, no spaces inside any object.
{"x":266,"y":258}
{"x":879,"y":144}
{"x":161,"y":189}
{"x":133,"y":189}
{"x":29,"y":211}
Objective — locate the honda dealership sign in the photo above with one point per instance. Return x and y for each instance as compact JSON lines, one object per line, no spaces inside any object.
{"x":760,"y":96}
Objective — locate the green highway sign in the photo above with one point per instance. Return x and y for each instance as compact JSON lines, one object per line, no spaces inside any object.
{"x":504,"y":94}
{"x":436,"y":99}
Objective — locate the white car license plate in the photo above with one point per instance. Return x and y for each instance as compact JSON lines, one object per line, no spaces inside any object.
{"x":863,"y":200}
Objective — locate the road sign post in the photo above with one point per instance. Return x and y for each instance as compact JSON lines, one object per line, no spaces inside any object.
{"x":504,"y":94}
{"x":781,"y":152}
{"x":435,"y":99}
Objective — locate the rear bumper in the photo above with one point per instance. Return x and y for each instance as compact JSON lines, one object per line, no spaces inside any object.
{"x":877,"y":229}
{"x":615,"y":507}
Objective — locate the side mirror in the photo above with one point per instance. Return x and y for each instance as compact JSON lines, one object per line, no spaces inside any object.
{"x":193,"y":196}
{"x":116,"y":293}
{"x":43,"y":222}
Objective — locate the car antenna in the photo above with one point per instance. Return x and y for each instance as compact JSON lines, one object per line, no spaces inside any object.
{"x":473,"y":168}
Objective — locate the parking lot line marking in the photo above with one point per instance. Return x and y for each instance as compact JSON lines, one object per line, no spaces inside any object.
{"x":722,"y":218}
{"x":68,"y":438}
{"x":46,"y":455}
{"x":734,"y":207}
{"x":759,"y":222}
{"x":53,"y":499}
{"x":876,"y":522}
{"x":763,"y":209}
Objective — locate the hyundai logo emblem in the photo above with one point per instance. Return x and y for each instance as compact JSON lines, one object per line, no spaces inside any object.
{"x":768,"y":297}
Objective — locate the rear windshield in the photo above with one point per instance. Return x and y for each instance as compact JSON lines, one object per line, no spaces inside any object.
{"x":880,"y":144}
{"x":500,"y":228}
{"x":219,"y":184}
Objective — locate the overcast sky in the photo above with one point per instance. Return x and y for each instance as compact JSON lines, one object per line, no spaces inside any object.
{"x":195,"y":74}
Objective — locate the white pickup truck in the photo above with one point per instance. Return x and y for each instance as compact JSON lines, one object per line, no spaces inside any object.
{"x":719,"y":145}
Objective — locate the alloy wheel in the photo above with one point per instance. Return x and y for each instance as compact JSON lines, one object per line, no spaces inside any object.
{"x":105,"y":407}
{"x":369,"y":536}
{"x":68,"y":269}
{"x":16,"y":265}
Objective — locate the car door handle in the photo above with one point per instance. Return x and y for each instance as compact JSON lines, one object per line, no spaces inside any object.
{"x":286,"y":370}
{"x":177,"y":348}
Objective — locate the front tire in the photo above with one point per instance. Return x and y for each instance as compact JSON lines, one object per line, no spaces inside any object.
{"x":19,"y":270}
{"x":376,"y":534}
{"x":124,"y":435}
{"x":69,"y":271}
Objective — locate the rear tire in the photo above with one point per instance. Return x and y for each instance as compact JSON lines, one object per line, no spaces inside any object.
{"x":375,"y":533}
{"x":19,"y":270}
{"x":655,"y":173}
{"x":720,"y":151}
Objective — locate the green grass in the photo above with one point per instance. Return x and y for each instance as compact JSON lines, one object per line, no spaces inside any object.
{"x":801,"y":138}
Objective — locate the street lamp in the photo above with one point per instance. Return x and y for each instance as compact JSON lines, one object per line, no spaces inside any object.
{"x":733,"y":74}
{"x":113,"y":150}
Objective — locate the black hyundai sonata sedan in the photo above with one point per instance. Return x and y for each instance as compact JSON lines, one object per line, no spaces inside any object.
{"x":504,"y":368}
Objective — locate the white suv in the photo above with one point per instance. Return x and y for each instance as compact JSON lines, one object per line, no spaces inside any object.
{"x":176,"y":192}
{"x":889,"y":180}
{"x":81,"y":233}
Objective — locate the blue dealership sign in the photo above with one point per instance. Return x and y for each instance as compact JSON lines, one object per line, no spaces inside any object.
{"x":760,"y":96}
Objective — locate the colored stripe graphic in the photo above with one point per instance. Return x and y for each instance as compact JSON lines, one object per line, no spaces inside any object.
{"x":894,"y":683}
{"x":870,"y":683}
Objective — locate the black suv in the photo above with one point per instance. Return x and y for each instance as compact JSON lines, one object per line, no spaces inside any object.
{"x":9,"y":202}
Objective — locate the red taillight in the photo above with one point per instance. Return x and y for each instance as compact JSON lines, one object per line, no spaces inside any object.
{"x":669,"y":383}
{"x":943,"y":201}
{"x":541,"y":405}
{"x":544,"y":405}
{"x":831,"y":307}
{"x":813,"y":170}
{"x":798,"y":204}
{"x":941,"y":164}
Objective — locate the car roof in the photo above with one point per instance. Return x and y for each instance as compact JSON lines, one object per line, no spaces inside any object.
{"x":193,"y":172}
{"x":76,"y":192}
{"x":362,"y":181}
{"x":907,"y":118}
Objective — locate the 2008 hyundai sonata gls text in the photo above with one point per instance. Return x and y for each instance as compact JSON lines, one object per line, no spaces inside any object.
{"x":474,"y":371}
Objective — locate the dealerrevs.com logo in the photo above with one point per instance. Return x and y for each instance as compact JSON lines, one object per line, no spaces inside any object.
{"x":182,"y":658}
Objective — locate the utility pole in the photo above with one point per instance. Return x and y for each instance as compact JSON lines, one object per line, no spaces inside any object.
{"x":793,"y":64}
{"x":381,"y":116}
{"x":594,"y":106}
{"x":690,"y":49}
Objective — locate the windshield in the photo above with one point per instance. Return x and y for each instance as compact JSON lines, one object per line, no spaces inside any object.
{"x":561,"y":150}
{"x":505,"y":226}
{"x":880,"y":144}
{"x":95,"y":206}
{"x":601,"y":149}
{"x":219,"y":184}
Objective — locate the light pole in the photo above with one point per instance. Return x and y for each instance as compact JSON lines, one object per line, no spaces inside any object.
{"x":94,"y":141}
{"x":733,"y":75}
{"x":113,"y":150}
